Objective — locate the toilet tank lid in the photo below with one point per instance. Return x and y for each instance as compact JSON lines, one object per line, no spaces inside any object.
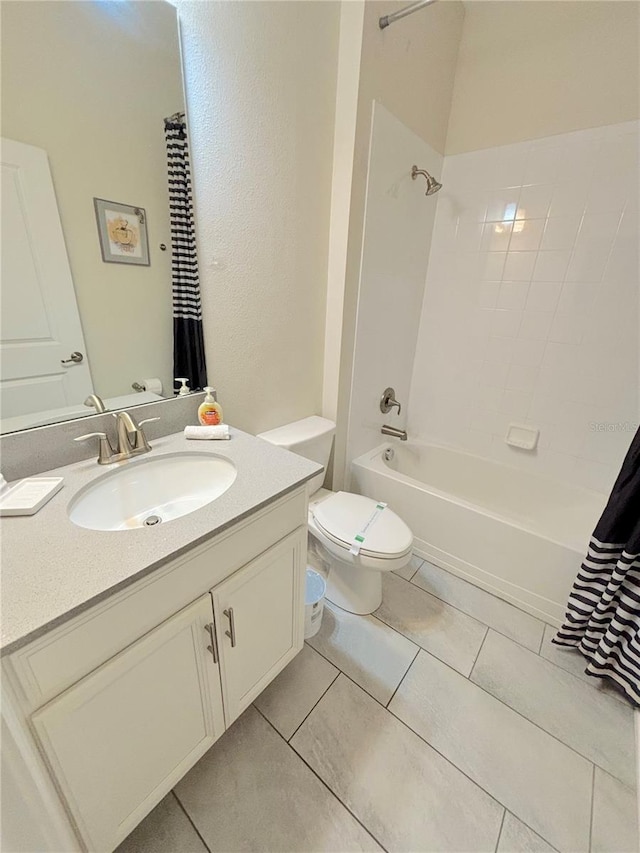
{"x":298,"y":431}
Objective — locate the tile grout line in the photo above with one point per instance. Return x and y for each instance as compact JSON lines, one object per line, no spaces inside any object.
{"x":418,"y":735}
{"x":479,"y":686}
{"x":486,"y":591}
{"x":403,"y":677}
{"x":593,"y":794}
{"x":324,"y":693}
{"x":515,"y":711}
{"x":470,"y":615}
{"x":614,"y":694}
{"x":542,"y":642}
{"x":188,"y":816}
{"x":346,"y":675}
{"x":486,"y":634}
{"x":321,"y":780}
{"x":473,"y":781}
{"x":504,"y":814}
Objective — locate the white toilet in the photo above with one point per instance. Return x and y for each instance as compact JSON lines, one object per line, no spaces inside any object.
{"x":384,"y":541}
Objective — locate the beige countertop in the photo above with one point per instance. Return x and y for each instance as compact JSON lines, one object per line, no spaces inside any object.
{"x":52,"y":569}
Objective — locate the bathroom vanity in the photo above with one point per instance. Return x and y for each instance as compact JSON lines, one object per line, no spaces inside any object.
{"x":127,"y":653}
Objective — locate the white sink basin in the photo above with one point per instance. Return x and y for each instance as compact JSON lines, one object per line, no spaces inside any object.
{"x":146,"y":492}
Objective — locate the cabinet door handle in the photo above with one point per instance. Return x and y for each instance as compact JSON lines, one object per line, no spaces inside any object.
{"x":231,"y":633}
{"x":210,"y":629}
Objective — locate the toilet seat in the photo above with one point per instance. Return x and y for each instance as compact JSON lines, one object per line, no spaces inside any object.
{"x":343,"y":515}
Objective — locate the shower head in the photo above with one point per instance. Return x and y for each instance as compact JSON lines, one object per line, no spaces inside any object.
{"x":432,"y":185}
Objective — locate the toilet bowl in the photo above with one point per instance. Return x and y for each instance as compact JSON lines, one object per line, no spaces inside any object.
{"x":355,"y":579}
{"x":358,"y":538}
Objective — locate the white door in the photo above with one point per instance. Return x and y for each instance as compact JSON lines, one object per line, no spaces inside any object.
{"x":121,"y":738}
{"x":260,"y":621}
{"x":39,"y":319}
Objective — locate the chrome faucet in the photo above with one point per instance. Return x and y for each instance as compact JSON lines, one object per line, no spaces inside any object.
{"x":394,"y":431}
{"x":96,"y":402}
{"x":131,"y":440}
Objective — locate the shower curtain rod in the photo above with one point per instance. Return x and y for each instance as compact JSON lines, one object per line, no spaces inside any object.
{"x":402,"y":13}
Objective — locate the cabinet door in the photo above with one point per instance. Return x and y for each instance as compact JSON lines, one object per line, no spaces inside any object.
{"x":120,"y":739}
{"x":260,"y":621}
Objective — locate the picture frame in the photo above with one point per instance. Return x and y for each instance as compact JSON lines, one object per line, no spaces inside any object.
{"x":122,"y":229}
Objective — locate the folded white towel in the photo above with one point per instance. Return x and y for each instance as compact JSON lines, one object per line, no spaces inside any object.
{"x":207,"y":432}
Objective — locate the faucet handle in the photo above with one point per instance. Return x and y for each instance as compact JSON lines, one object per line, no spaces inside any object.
{"x":148,"y":421}
{"x":106,"y":451}
{"x":388,"y":401}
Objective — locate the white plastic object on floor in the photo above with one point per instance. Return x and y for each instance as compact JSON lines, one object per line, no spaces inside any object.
{"x":29,"y":495}
{"x":522,"y":436}
{"x":314,"y":592}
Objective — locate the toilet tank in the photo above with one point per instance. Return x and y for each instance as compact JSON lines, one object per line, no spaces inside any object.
{"x":311,"y":437}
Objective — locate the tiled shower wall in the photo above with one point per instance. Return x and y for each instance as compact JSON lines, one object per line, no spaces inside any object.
{"x":531,"y":308}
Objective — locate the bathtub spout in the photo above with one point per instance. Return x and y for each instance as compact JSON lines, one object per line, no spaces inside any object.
{"x":395,"y":432}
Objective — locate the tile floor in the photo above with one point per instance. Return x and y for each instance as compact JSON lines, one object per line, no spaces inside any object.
{"x":447,"y":721}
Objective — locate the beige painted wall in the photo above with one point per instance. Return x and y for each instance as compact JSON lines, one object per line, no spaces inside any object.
{"x":261,"y":80}
{"x":409,"y":68}
{"x":90,"y":83}
{"x":528,"y":69}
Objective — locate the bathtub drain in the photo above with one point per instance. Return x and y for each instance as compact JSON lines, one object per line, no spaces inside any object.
{"x":388,"y":454}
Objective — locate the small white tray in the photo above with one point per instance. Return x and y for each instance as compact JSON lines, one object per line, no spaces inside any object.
{"x":29,"y":495}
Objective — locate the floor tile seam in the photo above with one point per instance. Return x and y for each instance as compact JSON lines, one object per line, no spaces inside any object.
{"x":444,"y":757}
{"x":395,"y":631}
{"x":479,"y":686}
{"x":448,"y":603}
{"x":321,"y":780}
{"x":424,"y":740}
{"x":471,"y":779}
{"x":191,"y":820}
{"x":502,"y":600}
{"x":353,"y":681}
{"x":315,"y":704}
{"x":613,"y":695}
{"x":504,"y":814}
{"x":538,"y":725}
{"x":403,"y":678}
{"x":515,"y":711}
{"x":486,"y":634}
{"x":619,"y":699}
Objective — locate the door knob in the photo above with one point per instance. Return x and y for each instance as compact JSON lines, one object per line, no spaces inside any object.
{"x":74,"y":358}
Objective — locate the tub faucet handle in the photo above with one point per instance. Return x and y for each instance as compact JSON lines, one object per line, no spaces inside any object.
{"x":388,"y":401}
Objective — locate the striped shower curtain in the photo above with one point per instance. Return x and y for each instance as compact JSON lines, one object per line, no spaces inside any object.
{"x":603,"y":613}
{"x":188,"y":340}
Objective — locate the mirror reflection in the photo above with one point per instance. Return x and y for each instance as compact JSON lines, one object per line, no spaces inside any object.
{"x":99,"y":267}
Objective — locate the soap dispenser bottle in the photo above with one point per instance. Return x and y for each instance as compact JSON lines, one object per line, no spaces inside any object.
{"x":210,"y":411}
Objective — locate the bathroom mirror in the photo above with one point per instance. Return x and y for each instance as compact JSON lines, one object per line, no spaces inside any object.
{"x":86,"y":238}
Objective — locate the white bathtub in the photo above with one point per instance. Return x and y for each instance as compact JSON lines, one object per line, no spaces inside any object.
{"x":517,"y":534}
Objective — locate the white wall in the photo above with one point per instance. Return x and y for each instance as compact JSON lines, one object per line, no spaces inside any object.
{"x":529,"y":69}
{"x":535,"y":319}
{"x":90,"y":82}
{"x":397,"y":235}
{"x":261,"y":86}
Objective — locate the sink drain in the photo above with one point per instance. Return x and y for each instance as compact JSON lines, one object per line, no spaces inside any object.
{"x":151,"y":520}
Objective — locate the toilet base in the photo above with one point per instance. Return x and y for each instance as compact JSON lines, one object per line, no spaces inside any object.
{"x":354,"y":589}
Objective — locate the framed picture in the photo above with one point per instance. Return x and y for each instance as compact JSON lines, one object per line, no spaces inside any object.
{"x":123,"y":232}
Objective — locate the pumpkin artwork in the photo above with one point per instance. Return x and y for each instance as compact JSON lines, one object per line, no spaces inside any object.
{"x":124,"y":235}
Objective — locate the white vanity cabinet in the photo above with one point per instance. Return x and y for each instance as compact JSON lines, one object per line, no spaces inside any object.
{"x":257,"y":618}
{"x":123,"y":736}
{"x":120,"y":720}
